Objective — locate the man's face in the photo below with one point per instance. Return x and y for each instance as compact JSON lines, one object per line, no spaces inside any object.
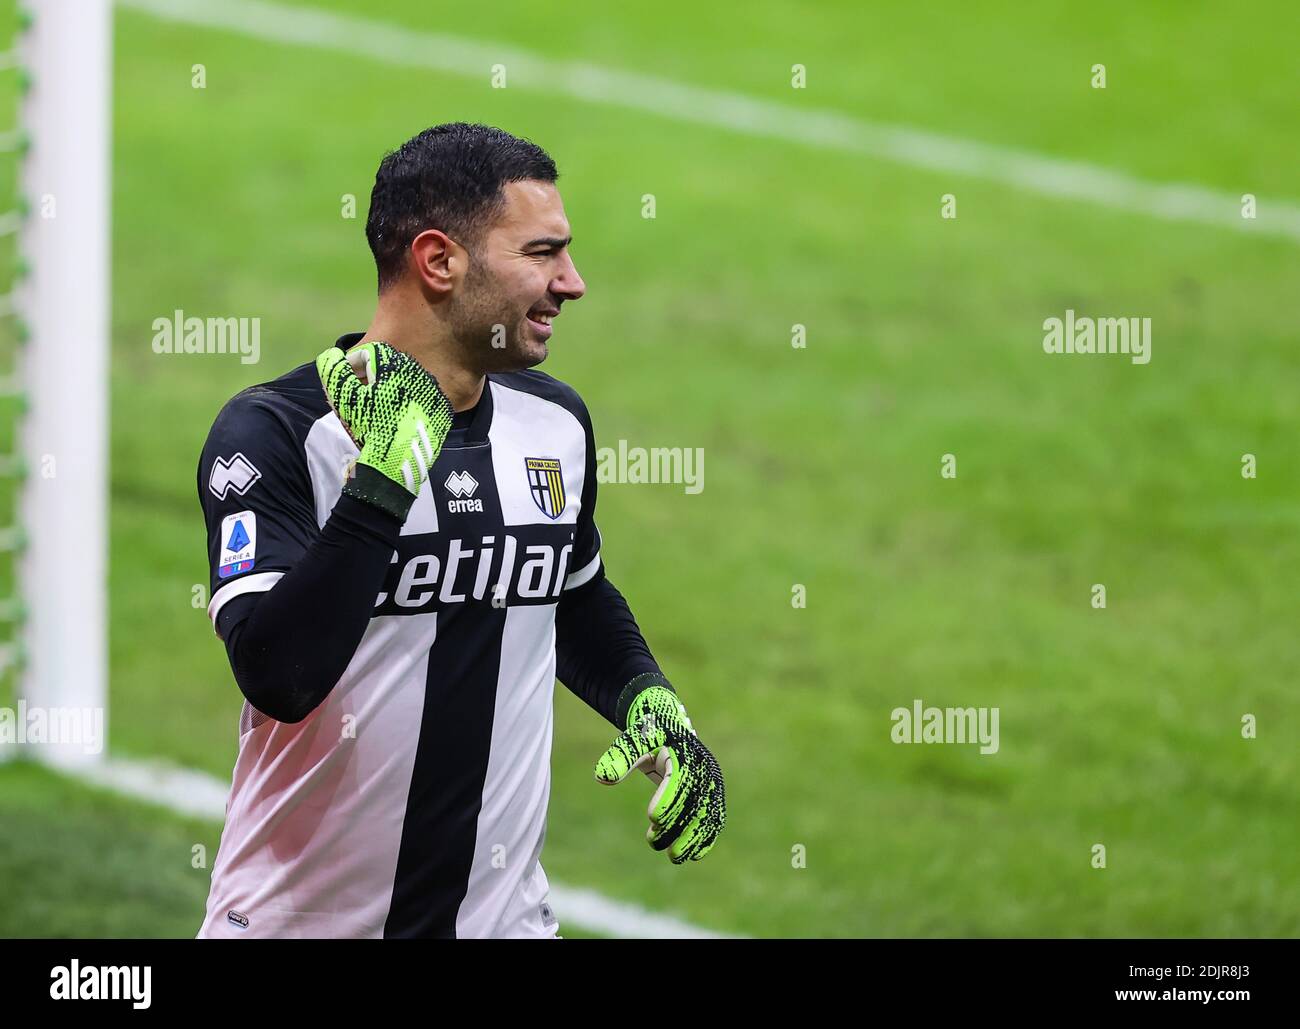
{"x":519,"y":274}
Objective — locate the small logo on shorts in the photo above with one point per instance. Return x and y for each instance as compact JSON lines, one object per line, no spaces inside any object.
{"x":239,"y":921}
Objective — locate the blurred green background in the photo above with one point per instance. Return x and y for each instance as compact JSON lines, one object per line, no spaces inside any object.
{"x":1118,"y":726}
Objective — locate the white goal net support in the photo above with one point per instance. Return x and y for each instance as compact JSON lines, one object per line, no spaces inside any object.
{"x":58,"y":319}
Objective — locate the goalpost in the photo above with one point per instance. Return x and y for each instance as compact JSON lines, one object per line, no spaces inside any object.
{"x":60,"y":306}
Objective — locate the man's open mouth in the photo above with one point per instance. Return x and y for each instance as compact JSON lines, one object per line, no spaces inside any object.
{"x":541,"y":319}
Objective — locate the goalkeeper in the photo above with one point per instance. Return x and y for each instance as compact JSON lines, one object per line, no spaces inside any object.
{"x":404,"y":558}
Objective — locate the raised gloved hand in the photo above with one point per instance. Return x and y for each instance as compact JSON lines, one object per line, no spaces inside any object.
{"x":689,"y":809}
{"x":396,"y":414}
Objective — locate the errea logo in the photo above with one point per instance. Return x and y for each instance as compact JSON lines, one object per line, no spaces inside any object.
{"x":462,"y":485}
{"x":237,"y":473}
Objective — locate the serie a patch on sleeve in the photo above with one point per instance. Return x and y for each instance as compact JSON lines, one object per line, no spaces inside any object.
{"x":239,"y":544}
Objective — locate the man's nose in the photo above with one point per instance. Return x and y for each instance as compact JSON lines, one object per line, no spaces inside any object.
{"x":569,"y":283}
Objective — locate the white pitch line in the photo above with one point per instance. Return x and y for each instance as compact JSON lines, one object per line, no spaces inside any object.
{"x":733,"y":112}
{"x":180,"y":790}
{"x":200,"y":795}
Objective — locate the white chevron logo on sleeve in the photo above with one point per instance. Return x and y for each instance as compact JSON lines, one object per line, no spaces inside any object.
{"x":237,"y":473}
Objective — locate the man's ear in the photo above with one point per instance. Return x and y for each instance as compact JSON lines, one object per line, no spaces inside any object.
{"x":438,"y":260}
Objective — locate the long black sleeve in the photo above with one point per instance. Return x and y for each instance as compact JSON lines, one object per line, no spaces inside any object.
{"x":289,"y":646}
{"x":600,"y":653}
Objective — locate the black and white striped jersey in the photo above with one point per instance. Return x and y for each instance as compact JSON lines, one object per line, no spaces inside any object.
{"x":412,"y":801}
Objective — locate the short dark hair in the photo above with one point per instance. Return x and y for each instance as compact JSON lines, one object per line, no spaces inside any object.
{"x":449,"y":177}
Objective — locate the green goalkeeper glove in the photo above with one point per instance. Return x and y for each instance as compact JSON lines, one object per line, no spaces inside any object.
{"x":397,"y":415}
{"x":689,"y":809}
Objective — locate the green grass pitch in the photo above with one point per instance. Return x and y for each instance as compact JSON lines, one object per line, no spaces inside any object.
{"x":1118,"y":726}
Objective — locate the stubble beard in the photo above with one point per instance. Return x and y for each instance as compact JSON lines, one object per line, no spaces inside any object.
{"x":490,"y":336}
